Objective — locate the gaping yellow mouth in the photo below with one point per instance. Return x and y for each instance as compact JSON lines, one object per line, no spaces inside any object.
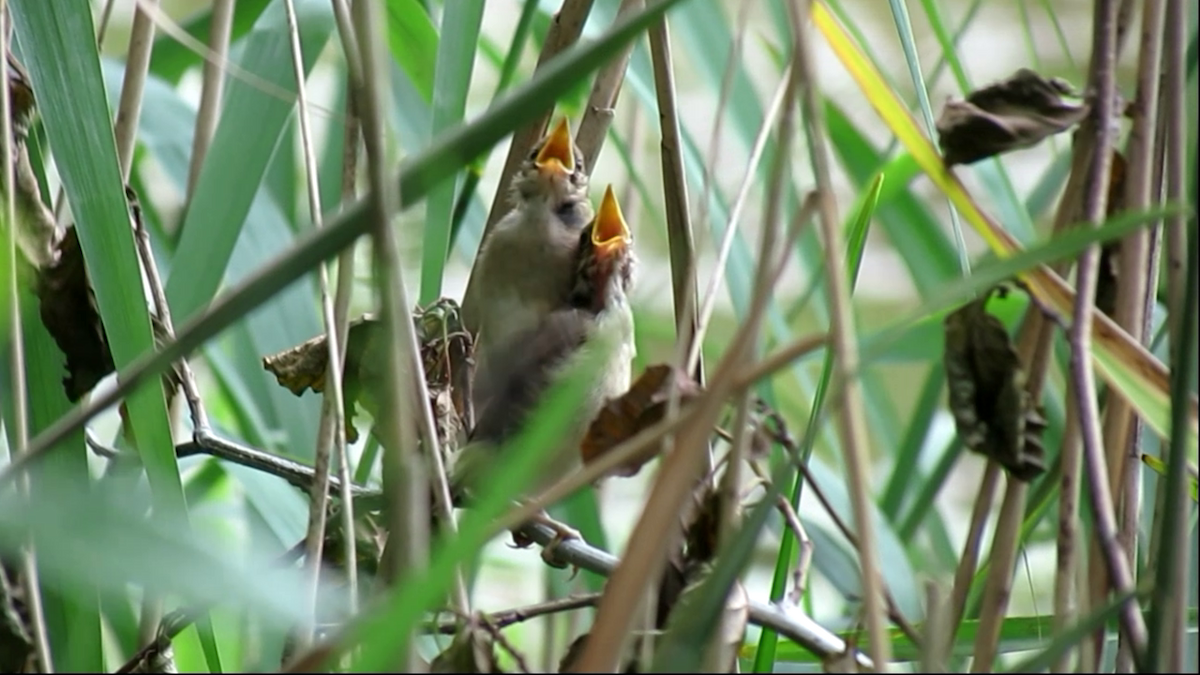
{"x":557,"y":156}
{"x":610,"y":232}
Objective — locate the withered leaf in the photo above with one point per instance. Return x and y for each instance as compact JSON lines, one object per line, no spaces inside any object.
{"x":445,"y":350}
{"x":986,"y":390}
{"x":471,"y":651}
{"x":1008,"y":115}
{"x":643,"y":406}
{"x":16,"y":647}
{"x":67,"y":305}
{"x":992,"y":409}
{"x":69,"y":312}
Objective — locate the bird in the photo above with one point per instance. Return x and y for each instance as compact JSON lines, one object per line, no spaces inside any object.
{"x":594,"y":321}
{"x":524,"y":267}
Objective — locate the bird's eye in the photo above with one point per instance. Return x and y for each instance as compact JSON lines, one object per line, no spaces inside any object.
{"x":533,"y":154}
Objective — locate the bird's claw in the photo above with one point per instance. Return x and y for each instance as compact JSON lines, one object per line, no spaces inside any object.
{"x":561,"y":533}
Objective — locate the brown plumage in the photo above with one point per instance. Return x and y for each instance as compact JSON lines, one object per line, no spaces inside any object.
{"x":594,"y":321}
{"x":525,"y":265}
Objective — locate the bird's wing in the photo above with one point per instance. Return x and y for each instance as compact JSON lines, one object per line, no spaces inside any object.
{"x":523,"y":369}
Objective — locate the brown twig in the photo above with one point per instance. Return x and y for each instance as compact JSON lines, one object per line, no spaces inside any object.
{"x":19,"y":424}
{"x":1135,"y":276}
{"x":1080,"y":334}
{"x":404,"y":482}
{"x":209,"y":110}
{"x":598,"y":115}
{"x":351,"y":138}
{"x":965,"y":572}
{"x":656,"y":531}
{"x":331,"y":433}
{"x":1167,"y":639}
{"x":999,"y":583}
{"x":847,"y":398}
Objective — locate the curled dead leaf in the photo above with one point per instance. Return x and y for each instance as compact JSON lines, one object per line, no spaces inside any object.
{"x":643,"y":406}
{"x":445,"y":351}
{"x":67,"y":305}
{"x":987,"y":396}
{"x":1011,"y":114}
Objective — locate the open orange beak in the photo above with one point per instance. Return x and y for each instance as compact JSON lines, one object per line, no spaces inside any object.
{"x":557,"y":156}
{"x":610,"y":232}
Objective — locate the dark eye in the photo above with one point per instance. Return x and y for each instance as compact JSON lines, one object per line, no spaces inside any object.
{"x":533,"y":154}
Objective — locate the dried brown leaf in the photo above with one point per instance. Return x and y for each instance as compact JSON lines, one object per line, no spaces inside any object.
{"x":445,"y":351}
{"x":1008,"y":115}
{"x":986,"y":390}
{"x":643,"y":406}
{"x":68,"y":309}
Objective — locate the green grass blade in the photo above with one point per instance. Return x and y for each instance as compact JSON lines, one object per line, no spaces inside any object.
{"x":455,"y":59}
{"x":908,"y":223}
{"x":908,"y":42}
{"x":60,"y":54}
{"x":413,"y":42}
{"x":72,"y":614}
{"x":764,"y":657}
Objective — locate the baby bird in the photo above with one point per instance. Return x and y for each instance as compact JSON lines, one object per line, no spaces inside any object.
{"x":594,"y":322}
{"x":524,"y":267}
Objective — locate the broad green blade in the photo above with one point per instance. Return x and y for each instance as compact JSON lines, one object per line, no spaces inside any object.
{"x":252,"y":120}
{"x":455,"y":59}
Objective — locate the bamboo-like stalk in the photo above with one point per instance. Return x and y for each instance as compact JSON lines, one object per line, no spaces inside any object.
{"x":211,"y":90}
{"x":1124,"y":475}
{"x":1066,"y":608}
{"x":331,"y":432}
{"x":657,"y":531}
{"x":137,"y":63}
{"x":847,"y":400}
{"x":1167,"y":622}
{"x":1079,"y":335}
{"x":969,"y":560}
{"x":404,"y":482}
{"x":19,"y":425}
{"x":564,"y":31}
{"x":598,"y":115}
{"x":999,"y":582}
{"x":352,"y":135}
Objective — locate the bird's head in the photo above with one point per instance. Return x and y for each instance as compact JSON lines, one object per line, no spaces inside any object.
{"x":553,"y":171}
{"x":605,"y":263}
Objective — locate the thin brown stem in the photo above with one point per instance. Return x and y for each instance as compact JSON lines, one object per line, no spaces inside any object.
{"x":404,"y":482}
{"x":1080,"y":333}
{"x":208,"y":113}
{"x":656,"y":531}
{"x":1134,"y":274}
{"x":19,"y":431}
{"x":598,"y":115}
{"x":331,"y":433}
{"x":999,"y":583}
{"x":969,"y":560}
{"x":847,"y":398}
